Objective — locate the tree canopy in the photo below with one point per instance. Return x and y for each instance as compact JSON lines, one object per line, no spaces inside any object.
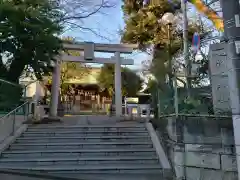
{"x":145,"y":27}
{"x":28,"y":39}
{"x":28,"y":36}
{"x":131,"y":82}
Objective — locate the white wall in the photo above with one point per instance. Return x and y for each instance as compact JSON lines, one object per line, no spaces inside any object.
{"x":34,"y":88}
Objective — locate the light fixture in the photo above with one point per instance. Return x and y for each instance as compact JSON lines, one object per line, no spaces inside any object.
{"x":168,"y":18}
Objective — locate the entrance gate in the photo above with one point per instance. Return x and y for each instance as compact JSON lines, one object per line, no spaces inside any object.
{"x":89,"y":57}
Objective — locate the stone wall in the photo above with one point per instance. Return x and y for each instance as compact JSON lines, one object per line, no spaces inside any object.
{"x":200,"y":148}
{"x":218,"y":65}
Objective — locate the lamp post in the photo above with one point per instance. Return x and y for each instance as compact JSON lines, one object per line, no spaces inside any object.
{"x":185,"y":46}
{"x":168,"y":19}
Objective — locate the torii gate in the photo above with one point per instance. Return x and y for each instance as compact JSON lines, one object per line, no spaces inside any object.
{"x":89,"y":48}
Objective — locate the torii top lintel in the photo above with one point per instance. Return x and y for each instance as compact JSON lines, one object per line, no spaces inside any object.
{"x":109,"y":48}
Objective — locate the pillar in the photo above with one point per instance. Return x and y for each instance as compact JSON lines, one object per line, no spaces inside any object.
{"x":125,"y":106}
{"x":55,"y":89}
{"x":118,"y":85}
{"x":231,"y":13}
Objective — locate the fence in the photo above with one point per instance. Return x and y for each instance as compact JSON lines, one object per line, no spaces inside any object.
{"x":74,"y":105}
{"x":200,"y":100}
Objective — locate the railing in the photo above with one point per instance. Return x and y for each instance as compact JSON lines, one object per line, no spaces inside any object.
{"x":28,"y":175}
{"x":10,"y":122}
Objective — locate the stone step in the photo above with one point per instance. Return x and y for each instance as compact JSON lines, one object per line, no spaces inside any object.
{"x":87,"y":137}
{"x":80,"y":152}
{"x":92,"y":168}
{"x":89,"y":133}
{"x":84,"y":143}
{"x":46,"y":130}
{"x":79,"y":160}
{"x":77,"y":145}
{"x":133,"y":124}
{"x":85,"y":158}
{"x":81,"y":140}
{"x":94,"y":131}
{"x":105,"y":126}
{"x":76,"y":154}
{"x":110,"y":137}
{"x":121,"y":175}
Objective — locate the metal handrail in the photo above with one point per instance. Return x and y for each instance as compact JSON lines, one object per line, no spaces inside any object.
{"x":13,"y":111}
{"x":37,"y":175}
{"x":11,"y":83}
{"x":19,"y":85}
{"x":197,"y":115}
{"x":9,"y":122}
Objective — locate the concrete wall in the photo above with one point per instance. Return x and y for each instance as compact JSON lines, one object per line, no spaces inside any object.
{"x":200,"y":148}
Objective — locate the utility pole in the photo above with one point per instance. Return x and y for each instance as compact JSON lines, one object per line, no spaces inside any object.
{"x":231,"y":14}
{"x":185,"y":45}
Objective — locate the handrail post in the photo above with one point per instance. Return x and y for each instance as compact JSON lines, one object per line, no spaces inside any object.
{"x":13,"y":123}
{"x":28,"y":107}
{"x":25,"y":111}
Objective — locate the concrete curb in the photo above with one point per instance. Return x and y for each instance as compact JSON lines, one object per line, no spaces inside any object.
{"x":9,"y":140}
{"x":159,"y":149}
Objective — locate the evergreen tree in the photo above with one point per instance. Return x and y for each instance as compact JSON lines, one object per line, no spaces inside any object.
{"x":28,"y":41}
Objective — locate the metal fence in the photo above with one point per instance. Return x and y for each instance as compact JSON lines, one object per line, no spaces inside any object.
{"x":74,"y":105}
{"x":200,"y":101}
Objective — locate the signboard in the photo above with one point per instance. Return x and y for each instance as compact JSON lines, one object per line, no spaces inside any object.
{"x":195,"y":42}
{"x":89,"y":51}
{"x":131,"y":100}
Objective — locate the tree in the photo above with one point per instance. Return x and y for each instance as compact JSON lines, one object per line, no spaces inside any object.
{"x":71,"y":70}
{"x":131,"y":82}
{"x":28,"y":39}
{"x":145,"y":27}
{"x":28,"y":36}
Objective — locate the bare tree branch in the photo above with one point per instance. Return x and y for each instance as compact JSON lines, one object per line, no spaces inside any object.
{"x":76,"y":10}
{"x":74,"y":25}
{"x":75,"y":13}
{"x":80,"y":16}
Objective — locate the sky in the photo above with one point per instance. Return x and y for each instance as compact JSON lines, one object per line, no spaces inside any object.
{"x":107,"y":24}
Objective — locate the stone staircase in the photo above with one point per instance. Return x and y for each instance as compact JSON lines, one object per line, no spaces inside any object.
{"x":86,"y":151}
